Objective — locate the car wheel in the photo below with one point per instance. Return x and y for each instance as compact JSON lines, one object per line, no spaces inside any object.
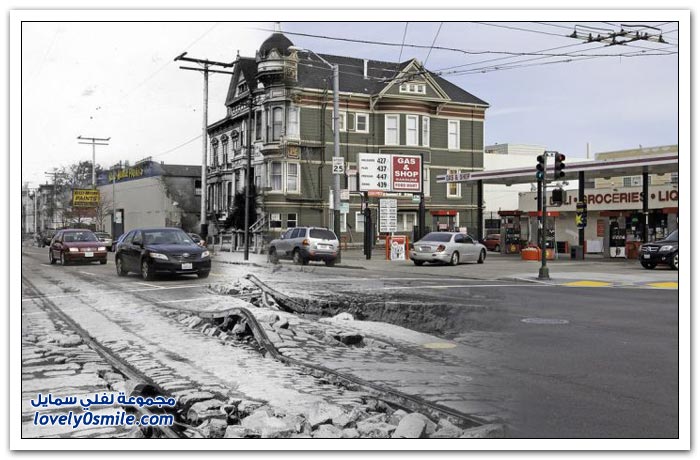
{"x":330,"y":263}
{"x":482,"y":257}
{"x":203,"y":274}
{"x":674,"y":261}
{"x":649,"y":265}
{"x":273,"y":257}
{"x":120,"y":267}
{"x":146,"y":271}
{"x":298,"y":258}
{"x":64,"y":261}
{"x":497,"y":248}
{"x":454,"y":260}
{"x":419,"y":262}
{"x":51,"y":259}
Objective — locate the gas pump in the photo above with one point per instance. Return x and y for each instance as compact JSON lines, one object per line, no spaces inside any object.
{"x":617,"y":240}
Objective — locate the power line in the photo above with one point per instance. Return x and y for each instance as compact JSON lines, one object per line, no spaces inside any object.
{"x":519,"y":28}
{"x":403,"y":40}
{"x":433,"y":44}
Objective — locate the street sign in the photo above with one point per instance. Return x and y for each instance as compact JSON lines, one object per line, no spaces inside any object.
{"x":338,"y":165}
{"x":344,"y":194}
{"x":387,"y":215}
{"x":344,"y":207}
{"x":447,"y":178}
{"x":390,"y":172}
{"x":375,"y":193}
{"x":415,"y":199}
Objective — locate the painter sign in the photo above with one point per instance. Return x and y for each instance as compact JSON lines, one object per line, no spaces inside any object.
{"x":86,"y":198}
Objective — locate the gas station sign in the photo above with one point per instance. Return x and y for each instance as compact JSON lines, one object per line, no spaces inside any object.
{"x":381,"y":172}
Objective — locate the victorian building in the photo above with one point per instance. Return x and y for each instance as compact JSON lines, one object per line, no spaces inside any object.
{"x":283,"y":98}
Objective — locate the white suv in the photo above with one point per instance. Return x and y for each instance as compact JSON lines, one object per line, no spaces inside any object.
{"x":302,"y":244}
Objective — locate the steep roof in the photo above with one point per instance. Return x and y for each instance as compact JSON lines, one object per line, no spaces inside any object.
{"x":277,"y":41}
{"x":249,"y":68}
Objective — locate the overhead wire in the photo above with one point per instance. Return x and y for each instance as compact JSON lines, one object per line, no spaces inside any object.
{"x":433,"y":44}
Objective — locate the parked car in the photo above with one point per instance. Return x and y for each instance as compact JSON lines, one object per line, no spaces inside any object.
{"x":76,"y":245}
{"x":660,"y":252}
{"x":303,"y":244}
{"x":198,"y":239}
{"x":161,"y":250}
{"x":106,"y":239}
{"x":448,"y":248}
{"x":492,"y":242}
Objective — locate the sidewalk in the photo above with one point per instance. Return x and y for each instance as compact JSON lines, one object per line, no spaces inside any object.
{"x":592,"y":272}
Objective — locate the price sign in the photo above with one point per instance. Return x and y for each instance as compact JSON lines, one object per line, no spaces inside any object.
{"x":375,"y":171}
{"x":338,"y":165}
{"x":387,"y":215}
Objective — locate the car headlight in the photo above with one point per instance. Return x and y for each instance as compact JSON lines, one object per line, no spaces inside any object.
{"x":666,"y":248}
{"x":73,"y":249}
{"x":157,"y":255}
{"x":102,"y":248}
{"x":205,"y":254}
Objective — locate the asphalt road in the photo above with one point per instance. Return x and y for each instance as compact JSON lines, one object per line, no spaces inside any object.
{"x":572,"y":362}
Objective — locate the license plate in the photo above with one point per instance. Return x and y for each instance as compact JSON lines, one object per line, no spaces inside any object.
{"x":647,"y":256}
{"x":187,"y":266}
{"x":89,"y":254}
{"x":323,"y":246}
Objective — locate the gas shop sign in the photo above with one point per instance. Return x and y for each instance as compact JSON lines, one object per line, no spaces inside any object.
{"x":390,"y":172}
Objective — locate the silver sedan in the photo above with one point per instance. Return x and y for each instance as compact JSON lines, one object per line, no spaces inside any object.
{"x":448,"y":248}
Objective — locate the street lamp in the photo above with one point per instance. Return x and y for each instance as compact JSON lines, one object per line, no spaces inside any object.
{"x":336,"y":139}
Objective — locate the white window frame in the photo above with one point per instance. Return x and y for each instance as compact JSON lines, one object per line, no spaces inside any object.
{"x":272,"y":219}
{"x":287,"y":175}
{"x":288,"y":220}
{"x":409,"y":120}
{"x":352,"y":181}
{"x":449,"y":123}
{"x":398,"y":128}
{"x":425,"y":131}
{"x":343,"y":222}
{"x":402,"y":218}
{"x":412,"y":88}
{"x":293,"y":126}
{"x":342,"y":122}
{"x":359,"y":221}
{"x":458,"y":186}
{"x":366,"y":117}
{"x":281,"y":174}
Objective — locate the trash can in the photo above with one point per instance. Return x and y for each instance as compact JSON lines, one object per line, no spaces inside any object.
{"x":577,"y":252}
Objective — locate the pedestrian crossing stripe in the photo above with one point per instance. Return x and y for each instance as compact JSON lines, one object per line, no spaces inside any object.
{"x":665,"y":285}
{"x":587,"y":283}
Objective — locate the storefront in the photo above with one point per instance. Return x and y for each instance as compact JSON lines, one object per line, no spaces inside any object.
{"x":615,"y":219}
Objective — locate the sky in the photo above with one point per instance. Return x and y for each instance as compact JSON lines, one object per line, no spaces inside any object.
{"x":119,"y":81}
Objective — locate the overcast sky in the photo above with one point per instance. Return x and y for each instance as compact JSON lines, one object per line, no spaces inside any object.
{"x":119,"y":80}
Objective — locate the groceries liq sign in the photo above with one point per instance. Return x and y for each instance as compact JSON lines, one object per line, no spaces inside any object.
{"x":86,"y":198}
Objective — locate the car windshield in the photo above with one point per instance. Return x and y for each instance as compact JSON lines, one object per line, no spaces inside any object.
{"x":437,"y":237}
{"x":322,"y":234}
{"x":79,"y":237}
{"x":176,"y":237}
{"x":673,"y":236}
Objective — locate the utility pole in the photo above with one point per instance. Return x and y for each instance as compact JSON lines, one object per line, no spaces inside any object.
{"x":205,"y":64}
{"x":52,"y":205}
{"x":94,"y":141}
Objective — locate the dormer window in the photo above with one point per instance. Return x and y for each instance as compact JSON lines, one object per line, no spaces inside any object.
{"x":242,"y":88}
{"x":412,"y":88}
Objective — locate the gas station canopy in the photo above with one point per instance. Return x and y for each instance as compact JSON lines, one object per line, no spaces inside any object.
{"x":632,"y":166}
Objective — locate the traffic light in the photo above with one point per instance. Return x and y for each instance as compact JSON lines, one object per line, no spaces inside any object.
{"x":581,"y":215}
{"x":558,"y":197}
{"x":559,"y":166}
{"x":541,"y":167}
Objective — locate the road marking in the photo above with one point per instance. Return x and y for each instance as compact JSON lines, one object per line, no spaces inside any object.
{"x":149,"y":285}
{"x":159,"y":288}
{"x":587,"y":283}
{"x":439,"y":345}
{"x":664,"y":285}
{"x":451,"y":286}
{"x":196,"y":299}
{"x":88,"y":273}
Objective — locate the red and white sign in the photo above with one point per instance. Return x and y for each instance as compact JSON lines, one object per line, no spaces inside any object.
{"x":406,"y":173}
{"x":389,"y":172}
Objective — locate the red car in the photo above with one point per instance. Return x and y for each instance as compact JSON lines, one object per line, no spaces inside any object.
{"x":492,"y":242}
{"x":76,"y":245}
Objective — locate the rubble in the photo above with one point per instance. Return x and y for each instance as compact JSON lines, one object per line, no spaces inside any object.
{"x":328,"y":431}
{"x":411,"y":426}
{"x":446,"y":429}
{"x":485,"y":431}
